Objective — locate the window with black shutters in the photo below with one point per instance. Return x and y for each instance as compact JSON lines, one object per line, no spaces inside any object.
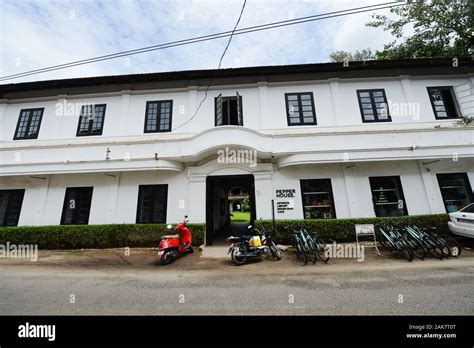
{"x":318,"y":201}
{"x":158,"y":116}
{"x":455,"y":190}
{"x":77,"y":206}
{"x":387,"y":196}
{"x":300,"y":109}
{"x":152,"y":204}
{"x":10,"y":206}
{"x":91,"y":121}
{"x":373,"y":105}
{"x":228,"y":110}
{"x":28,"y":124}
{"x":443,"y":102}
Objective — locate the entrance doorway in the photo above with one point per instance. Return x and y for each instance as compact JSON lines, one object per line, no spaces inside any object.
{"x":226,"y":200}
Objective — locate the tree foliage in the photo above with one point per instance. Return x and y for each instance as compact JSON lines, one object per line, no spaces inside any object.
{"x":438,"y":28}
{"x":341,"y":56}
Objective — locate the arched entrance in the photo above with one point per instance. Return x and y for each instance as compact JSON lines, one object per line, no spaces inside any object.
{"x":219,"y":189}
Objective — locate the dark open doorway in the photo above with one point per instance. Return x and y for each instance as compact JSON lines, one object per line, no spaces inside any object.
{"x":218,"y":205}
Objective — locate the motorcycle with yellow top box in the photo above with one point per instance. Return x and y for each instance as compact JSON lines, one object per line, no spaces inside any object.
{"x":245,"y":247}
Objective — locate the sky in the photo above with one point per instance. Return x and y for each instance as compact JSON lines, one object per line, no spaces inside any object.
{"x":40,"y":33}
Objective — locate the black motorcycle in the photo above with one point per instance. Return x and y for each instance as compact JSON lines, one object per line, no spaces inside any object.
{"x":244,"y":248}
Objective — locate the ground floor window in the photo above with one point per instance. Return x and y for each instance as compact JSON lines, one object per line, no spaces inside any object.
{"x":152,"y":203}
{"x":456,"y":191}
{"x":318,"y":201}
{"x":387,"y":196}
{"x":10,"y":206}
{"x":77,"y":206}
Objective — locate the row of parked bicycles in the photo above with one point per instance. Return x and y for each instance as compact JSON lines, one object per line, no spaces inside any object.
{"x":412,"y":242}
{"x":308,"y":246}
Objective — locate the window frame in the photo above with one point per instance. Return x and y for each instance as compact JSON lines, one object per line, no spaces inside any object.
{"x":8,"y":206}
{"x":330,"y":196}
{"x":140,"y":195}
{"x":456,"y":105}
{"x":66,"y":201}
{"x":158,"y":116}
{"x":372,"y":102}
{"x":300,"y":107}
{"x":401,"y":194}
{"x":465,"y":177}
{"x":240,"y":109}
{"x":30,"y":116}
{"x":91,"y":122}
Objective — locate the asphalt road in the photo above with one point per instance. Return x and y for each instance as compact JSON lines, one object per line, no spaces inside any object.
{"x":390,"y":287}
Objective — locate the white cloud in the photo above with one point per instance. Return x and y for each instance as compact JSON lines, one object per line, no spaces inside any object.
{"x":44,"y":33}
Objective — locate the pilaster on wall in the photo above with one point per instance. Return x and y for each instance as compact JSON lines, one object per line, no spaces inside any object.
{"x":428,"y":186}
{"x":124,"y":109}
{"x":263,"y":194}
{"x":348,"y":178}
{"x":197,"y":198}
{"x":3,"y":109}
{"x":262,"y":100}
{"x":335,"y":96}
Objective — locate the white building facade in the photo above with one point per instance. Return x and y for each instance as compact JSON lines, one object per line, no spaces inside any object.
{"x":321,"y":140}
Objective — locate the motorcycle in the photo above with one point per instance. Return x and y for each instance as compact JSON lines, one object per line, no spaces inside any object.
{"x":175,"y":245}
{"x":251,"y":246}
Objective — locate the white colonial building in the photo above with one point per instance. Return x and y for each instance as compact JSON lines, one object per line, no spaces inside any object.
{"x":378,"y":138}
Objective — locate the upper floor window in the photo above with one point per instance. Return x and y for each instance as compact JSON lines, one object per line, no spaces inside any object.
{"x":300,"y":109}
{"x":91,"y":121}
{"x":28,"y":124}
{"x":158,"y":116}
{"x":10,"y":206}
{"x":443,"y":102}
{"x":373,"y":105}
{"x":228,"y":110}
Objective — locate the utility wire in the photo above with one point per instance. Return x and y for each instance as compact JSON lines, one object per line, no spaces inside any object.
{"x":218,"y":67}
{"x":210,"y":37}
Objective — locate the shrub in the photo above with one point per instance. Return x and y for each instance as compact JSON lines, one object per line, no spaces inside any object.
{"x":93,"y":236}
{"x":343,"y":230}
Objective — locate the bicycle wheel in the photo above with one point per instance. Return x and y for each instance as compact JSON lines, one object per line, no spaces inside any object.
{"x":299,"y":249}
{"x":434,"y":248}
{"x":276,"y":253}
{"x":311,"y":250}
{"x":444,"y":247}
{"x":322,"y":251}
{"x":454,"y":246}
{"x":417,"y":248}
{"x":405,"y":252}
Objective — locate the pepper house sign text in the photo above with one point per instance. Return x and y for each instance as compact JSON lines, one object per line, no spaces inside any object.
{"x":285,"y":205}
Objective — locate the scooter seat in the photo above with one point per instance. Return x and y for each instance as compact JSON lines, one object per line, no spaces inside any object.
{"x":168,"y":236}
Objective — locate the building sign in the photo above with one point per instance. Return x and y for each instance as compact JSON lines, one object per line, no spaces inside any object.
{"x":285,"y":205}
{"x":287,"y":193}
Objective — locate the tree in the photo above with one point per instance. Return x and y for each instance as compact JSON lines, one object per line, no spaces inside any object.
{"x":246,"y":204}
{"x":341,"y":56}
{"x":441,"y":28}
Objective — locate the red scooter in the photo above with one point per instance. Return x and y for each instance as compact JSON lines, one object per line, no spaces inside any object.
{"x":173,"y":246}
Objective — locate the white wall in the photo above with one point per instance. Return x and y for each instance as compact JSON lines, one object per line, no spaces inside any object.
{"x":336,"y":104}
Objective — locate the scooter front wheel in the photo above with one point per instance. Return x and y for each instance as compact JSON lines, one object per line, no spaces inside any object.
{"x":235,"y":255}
{"x":166,"y":258}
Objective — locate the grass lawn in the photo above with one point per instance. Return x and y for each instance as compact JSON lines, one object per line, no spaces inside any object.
{"x":240,"y":216}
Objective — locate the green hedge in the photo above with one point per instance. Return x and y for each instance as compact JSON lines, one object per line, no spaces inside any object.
{"x":93,"y":236}
{"x":343,"y":230}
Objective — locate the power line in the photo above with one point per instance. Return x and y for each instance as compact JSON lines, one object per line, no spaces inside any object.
{"x":210,"y":37}
{"x":218,"y":67}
